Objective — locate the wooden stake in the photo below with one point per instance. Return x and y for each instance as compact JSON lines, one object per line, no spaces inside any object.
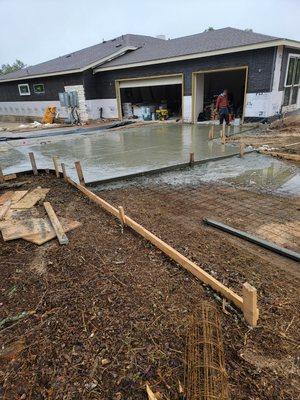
{"x":250,"y":309}
{"x":56,"y":163}
{"x":192,"y":158}
{"x":122,"y":215}
{"x":63,"y":168}
{"x":1,"y":176}
{"x":60,"y":233}
{"x":223,"y":130}
{"x":79,"y":173}
{"x":242,"y":149}
{"x":33,"y":163}
{"x":223,"y":139}
{"x":211,"y":133}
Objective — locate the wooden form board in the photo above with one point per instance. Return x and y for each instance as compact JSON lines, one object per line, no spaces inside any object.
{"x":285,"y":156}
{"x":31,"y":198}
{"x":170,"y":251}
{"x":61,"y":236}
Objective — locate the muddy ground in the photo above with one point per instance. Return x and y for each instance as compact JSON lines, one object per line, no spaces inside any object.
{"x":108,"y":311}
{"x":282,"y":136}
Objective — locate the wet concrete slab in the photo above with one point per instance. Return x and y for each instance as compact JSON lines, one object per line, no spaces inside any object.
{"x":110,"y":154}
{"x":253,"y":172}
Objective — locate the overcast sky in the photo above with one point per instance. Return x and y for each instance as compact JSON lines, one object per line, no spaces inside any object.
{"x":38,"y":30}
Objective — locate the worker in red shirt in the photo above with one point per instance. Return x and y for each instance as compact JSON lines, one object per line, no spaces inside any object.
{"x":222,"y":106}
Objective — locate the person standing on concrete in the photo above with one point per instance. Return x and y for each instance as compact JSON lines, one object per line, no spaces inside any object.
{"x":222,"y":107}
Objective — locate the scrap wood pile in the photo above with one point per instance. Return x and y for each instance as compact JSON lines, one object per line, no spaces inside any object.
{"x":20,"y":218}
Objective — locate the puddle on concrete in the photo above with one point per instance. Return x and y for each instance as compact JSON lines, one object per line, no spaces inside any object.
{"x":115,"y":153}
{"x":254,"y":171}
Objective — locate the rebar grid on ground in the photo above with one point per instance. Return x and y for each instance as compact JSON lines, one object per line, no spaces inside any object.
{"x":205,"y":375}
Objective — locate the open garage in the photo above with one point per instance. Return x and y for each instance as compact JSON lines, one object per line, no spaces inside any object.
{"x":207,"y":85}
{"x":150,"y":98}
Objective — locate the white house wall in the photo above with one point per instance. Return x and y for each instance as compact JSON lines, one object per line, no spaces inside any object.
{"x":109,"y":108}
{"x":29,"y":108}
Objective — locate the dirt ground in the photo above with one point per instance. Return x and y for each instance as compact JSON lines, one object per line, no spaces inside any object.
{"x":282,"y":136}
{"x":108,"y":311}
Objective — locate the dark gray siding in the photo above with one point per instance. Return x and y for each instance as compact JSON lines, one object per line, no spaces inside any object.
{"x":260,"y":63}
{"x":53,"y":85}
{"x":285,"y":56}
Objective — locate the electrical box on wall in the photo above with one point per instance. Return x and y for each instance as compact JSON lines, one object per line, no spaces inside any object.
{"x":68,"y":99}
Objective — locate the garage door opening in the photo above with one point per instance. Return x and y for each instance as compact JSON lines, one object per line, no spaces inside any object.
{"x":209,"y":84}
{"x":151,"y":98}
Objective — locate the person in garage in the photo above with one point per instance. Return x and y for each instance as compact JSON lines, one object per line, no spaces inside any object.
{"x":222,"y":106}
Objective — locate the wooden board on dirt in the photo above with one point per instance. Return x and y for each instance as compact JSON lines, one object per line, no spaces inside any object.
{"x":18,"y":195}
{"x":6,"y":196}
{"x":4,"y":209}
{"x":17,"y":229}
{"x":10,"y":177}
{"x":31,"y":198}
{"x":68,"y":225}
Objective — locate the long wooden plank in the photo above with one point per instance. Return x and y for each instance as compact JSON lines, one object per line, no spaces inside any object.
{"x":286,"y":156}
{"x":92,"y":196}
{"x":170,"y":251}
{"x":31,"y":198}
{"x":17,"y":229}
{"x":185,"y":262}
{"x":61,"y":236}
{"x":39,"y":239}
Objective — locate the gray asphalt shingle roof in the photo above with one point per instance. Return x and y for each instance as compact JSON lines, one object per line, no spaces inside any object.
{"x":202,"y":42}
{"x":148,"y":49}
{"x":82,"y":58}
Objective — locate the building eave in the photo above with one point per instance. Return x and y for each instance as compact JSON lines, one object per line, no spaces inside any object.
{"x":76,"y":70}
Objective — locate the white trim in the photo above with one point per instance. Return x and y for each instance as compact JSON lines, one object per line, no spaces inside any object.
{"x":273,"y":43}
{"x":24,"y":94}
{"x":73,"y":71}
{"x":155,"y":81}
{"x":291,"y":55}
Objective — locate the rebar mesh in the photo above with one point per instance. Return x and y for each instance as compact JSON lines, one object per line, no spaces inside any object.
{"x":205,"y":374}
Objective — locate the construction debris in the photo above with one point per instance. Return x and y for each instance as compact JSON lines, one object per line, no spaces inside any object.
{"x":61,"y":236}
{"x":31,"y":198}
{"x":205,"y":373}
{"x":17,"y":223}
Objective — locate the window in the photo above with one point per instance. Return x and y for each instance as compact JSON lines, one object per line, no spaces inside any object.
{"x":39,"y":88}
{"x":24,"y":89}
{"x":292,"y":81}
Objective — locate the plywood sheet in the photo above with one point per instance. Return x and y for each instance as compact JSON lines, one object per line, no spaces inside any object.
{"x":39,"y":239}
{"x":31,"y":198}
{"x":18,"y":195}
{"x":17,"y":229}
{"x":6,"y":196}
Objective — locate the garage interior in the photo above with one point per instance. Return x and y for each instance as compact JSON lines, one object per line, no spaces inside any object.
{"x":207,"y":87}
{"x":151,"y":98}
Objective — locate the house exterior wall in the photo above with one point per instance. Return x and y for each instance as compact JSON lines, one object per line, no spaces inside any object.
{"x":34,"y":105}
{"x":260,"y":63}
{"x":98,"y":90}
